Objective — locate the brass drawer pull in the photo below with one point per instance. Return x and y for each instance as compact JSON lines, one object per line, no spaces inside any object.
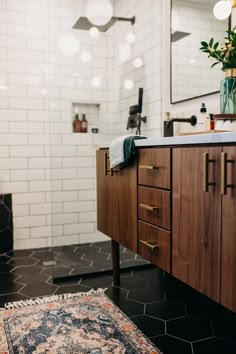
{"x":224,"y":185}
{"x":206,"y":162}
{"x":148,"y":167}
{"x":149,"y":244}
{"x":148,"y":207}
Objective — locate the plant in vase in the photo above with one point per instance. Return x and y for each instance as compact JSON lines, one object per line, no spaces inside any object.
{"x":225,"y":54}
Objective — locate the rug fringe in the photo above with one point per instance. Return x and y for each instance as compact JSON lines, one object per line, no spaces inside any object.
{"x":52,"y":298}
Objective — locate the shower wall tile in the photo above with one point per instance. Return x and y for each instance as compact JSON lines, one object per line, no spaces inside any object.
{"x":41,"y":160}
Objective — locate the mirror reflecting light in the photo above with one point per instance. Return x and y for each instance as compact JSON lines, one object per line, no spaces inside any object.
{"x":99,"y":12}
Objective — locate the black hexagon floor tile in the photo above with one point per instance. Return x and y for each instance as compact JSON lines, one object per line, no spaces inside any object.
{"x":133,"y":283}
{"x":225,"y":329}
{"x":23,"y":261}
{"x":10,"y":288}
{"x":32,"y":279}
{"x":42,"y":289}
{"x":6,"y":268}
{"x":146,"y":296}
{"x":165,"y":310}
{"x":4,"y":299}
{"x":97,"y":282}
{"x":116,"y":294}
{"x":189,"y":329}
{"x":71,"y":289}
{"x":8,"y":278}
{"x":214,"y":346}
{"x":171,"y":345}
{"x":4,"y":259}
{"x":27,"y":270}
{"x":150,"y":326}
{"x":20,"y":253}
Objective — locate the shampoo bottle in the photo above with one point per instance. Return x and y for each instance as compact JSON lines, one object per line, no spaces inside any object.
{"x":77,"y":124}
{"x":84,"y":124}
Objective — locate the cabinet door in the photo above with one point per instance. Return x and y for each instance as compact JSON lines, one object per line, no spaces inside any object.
{"x":197,"y":219}
{"x":228,"y":270}
{"x":117,"y":201}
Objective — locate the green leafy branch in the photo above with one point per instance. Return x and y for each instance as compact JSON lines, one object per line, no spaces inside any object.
{"x":224,"y":53}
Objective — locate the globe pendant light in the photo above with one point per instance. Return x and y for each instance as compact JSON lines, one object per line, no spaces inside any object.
{"x":99,"y":12}
{"x":222,"y":9}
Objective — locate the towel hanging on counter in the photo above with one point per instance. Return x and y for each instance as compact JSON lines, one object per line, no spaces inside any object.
{"x":122,"y":151}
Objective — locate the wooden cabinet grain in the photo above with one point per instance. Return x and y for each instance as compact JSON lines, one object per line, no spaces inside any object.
{"x":196,"y":220}
{"x":117,"y":201}
{"x":204,"y":223}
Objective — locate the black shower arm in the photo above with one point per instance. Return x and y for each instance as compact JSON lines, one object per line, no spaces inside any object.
{"x":132,"y":19}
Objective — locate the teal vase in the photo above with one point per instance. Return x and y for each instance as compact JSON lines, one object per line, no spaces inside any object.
{"x":228,"y":92}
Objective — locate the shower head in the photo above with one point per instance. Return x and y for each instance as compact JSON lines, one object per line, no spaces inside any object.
{"x":84,"y":24}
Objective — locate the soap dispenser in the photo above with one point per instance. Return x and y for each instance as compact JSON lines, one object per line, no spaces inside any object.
{"x":201,"y":121}
{"x":168,"y":128}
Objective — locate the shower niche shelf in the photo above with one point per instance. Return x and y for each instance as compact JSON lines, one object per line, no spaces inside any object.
{"x":91,"y":111}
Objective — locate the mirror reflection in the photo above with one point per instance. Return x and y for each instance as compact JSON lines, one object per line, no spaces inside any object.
{"x":192,"y":21}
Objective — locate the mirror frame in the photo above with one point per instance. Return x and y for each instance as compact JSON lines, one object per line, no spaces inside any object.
{"x":191,"y":98}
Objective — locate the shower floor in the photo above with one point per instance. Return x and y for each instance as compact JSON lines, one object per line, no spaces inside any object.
{"x":89,"y":258}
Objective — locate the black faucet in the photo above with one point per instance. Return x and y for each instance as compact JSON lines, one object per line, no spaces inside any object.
{"x":168,"y":125}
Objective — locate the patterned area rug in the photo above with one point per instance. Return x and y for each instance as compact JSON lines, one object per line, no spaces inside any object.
{"x":82,"y":323}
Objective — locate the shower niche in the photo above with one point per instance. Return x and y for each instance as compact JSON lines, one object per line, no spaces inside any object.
{"x":85,"y":117}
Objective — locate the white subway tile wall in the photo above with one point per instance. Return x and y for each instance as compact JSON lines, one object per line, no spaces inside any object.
{"x":50,"y":170}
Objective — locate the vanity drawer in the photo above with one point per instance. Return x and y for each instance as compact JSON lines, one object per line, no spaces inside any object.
{"x":154,"y":245}
{"x":154,"y":167}
{"x":154,"y":206}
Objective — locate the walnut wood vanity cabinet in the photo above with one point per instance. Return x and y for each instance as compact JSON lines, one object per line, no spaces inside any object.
{"x":204,"y":221}
{"x":117,"y":201}
{"x":176,"y":207}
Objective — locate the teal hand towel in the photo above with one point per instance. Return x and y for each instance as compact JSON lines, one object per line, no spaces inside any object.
{"x":130,"y":151}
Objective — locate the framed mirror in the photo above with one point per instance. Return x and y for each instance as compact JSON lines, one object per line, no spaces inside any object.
{"x":192,"y":21}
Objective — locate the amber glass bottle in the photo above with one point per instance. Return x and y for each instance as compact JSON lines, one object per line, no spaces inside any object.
{"x":77,"y":124}
{"x":84,"y":124}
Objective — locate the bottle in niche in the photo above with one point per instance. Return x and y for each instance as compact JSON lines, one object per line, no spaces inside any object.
{"x":84,"y":124}
{"x":77,"y":124}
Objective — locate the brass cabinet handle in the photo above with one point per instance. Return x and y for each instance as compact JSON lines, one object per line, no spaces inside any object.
{"x":206,"y":182}
{"x":148,"y":167}
{"x":149,"y":244}
{"x":224,"y":185}
{"x":148,"y":207}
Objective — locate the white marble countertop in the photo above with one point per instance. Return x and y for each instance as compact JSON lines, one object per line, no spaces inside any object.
{"x":212,"y":138}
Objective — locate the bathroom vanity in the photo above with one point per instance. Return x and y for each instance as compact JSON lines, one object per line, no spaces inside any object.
{"x":176,"y":207}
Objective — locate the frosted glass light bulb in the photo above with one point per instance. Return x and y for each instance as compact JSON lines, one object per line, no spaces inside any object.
{"x":94,"y":32}
{"x":128,"y":84}
{"x":96,"y":81}
{"x":99,"y":12}
{"x":86,"y":57}
{"x":137,"y":62}
{"x":222,"y":9}
{"x":68,"y":44}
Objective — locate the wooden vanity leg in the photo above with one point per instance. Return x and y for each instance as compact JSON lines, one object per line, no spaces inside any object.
{"x":116,"y":262}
